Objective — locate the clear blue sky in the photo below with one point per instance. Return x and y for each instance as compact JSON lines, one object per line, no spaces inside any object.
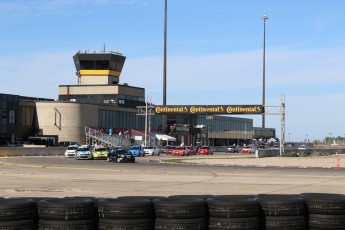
{"x":214,"y":53}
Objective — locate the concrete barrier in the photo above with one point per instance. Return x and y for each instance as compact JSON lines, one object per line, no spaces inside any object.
{"x":31,"y":151}
{"x":267,"y":153}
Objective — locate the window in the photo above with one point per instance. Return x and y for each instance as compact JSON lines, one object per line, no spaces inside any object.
{"x":12,"y":117}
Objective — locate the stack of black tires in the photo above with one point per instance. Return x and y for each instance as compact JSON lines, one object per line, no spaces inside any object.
{"x":279,"y":212}
{"x":325,"y":211}
{"x":314,"y":211}
{"x":125,"y":213}
{"x":233,"y":212}
{"x":67,"y":213}
{"x":18,"y":213}
{"x":182,"y":213}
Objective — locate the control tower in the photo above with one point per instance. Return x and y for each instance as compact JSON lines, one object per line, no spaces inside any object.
{"x":98,"y":68}
{"x":98,"y":76}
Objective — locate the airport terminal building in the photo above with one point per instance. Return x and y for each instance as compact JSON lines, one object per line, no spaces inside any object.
{"x":100,"y":102}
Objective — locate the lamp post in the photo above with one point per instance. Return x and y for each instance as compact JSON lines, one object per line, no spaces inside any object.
{"x":264,"y":17}
{"x":289,"y":136}
{"x":165,"y":55}
{"x":330,"y":138}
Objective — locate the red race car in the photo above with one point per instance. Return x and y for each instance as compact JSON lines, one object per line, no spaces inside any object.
{"x":180,"y":151}
{"x":205,"y":150}
{"x":169,"y":149}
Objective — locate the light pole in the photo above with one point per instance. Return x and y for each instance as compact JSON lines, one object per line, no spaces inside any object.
{"x":264,"y":17}
{"x":165,"y":54}
{"x":289,"y":136}
{"x":330,"y":138}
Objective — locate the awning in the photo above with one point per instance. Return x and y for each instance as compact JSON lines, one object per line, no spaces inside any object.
{"x":165,"y":137}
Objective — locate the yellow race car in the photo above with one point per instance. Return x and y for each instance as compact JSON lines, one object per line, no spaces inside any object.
{"x":99,"y":153}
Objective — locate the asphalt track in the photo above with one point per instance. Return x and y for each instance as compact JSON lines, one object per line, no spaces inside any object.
{"x":56,"y":176}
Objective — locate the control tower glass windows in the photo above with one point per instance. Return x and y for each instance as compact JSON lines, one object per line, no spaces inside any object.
{"x":119,"y":67}
{"x":96,"y":65}
{"x":86,"y":65}
{"x":101,"y":65}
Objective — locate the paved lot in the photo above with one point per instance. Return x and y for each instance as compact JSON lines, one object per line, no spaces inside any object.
{"x":332,"y":161}
{"x":56,"y":176}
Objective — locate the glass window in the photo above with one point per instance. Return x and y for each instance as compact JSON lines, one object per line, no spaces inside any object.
{"x":12,"y":117}
{"x":119,"y":67}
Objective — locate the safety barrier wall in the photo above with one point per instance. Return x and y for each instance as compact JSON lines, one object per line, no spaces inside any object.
{"x":183,"y":212}
{"x":31,"y":151}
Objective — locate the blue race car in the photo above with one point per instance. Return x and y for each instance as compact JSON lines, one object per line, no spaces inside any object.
{"x":137,"y":151}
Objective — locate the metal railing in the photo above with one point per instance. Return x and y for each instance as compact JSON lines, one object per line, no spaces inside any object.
{"x":150,"y":138}
{"x":94,"y":136}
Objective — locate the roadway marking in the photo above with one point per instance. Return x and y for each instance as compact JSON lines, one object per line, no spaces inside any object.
{"x":172,"y":172}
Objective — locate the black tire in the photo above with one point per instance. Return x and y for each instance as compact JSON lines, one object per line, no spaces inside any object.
{"x":17,"y":209}
{"x":18,"y":224}
{"x":66,"y":209}
{"x":180,"y":208}
{"x":282,"y":205}
{"x":317,"y":221}
{"x":233,"y":206}
{"x":127,"y":224}
{"x":248,"y":223}
{"x":66,"y":224}
{"x":181,"y":224}
{"x":122,"y":208}
{"x":286,"y":222}
{"x":205,"y":197}
{"x":140,"y":197}
{"x":324,"y":203}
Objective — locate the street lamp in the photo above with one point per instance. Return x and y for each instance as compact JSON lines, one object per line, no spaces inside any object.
{"x":264,"y":17}
{"x":165,"y":54}
{"x":289,"y":136}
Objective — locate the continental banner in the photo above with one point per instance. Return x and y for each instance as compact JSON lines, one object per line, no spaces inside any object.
{"x":208,"y":109}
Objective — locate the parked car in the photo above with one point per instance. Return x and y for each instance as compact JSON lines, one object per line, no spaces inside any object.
{"x":71,"y":150}
{"x":83,"y":152}
{"x":205,"y":150}
{"x":168,"y":149}
{"x":233,"y":149}
{"x":248,"y":150}
{"x":191,"y":150}
{"x":152,"y":150}
{"x":99,"y":153}
{"x":179,"y":151}
{"x":120,"y":155}
{"x":137,"y":151}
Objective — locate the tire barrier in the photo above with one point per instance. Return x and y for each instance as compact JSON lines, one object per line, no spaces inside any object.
{"x":18,"y":213}
{"x":125,"y":213}
{"x":283,"y":212}
{"x":314,"y":211}
{"x":325,"y":211}
{"x":66,"y":213}
{"x":181,"y":212}
{"x":233,"y":212}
